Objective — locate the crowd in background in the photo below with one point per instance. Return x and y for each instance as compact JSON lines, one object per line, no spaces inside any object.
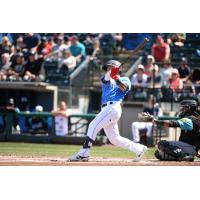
{"x":157,"y":75}
{"x":22,"y":57}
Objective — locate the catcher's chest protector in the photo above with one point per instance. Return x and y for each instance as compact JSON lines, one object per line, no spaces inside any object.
{"x":175,"y":150}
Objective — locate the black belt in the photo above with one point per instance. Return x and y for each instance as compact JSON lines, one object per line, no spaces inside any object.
{"x":104,"y":105}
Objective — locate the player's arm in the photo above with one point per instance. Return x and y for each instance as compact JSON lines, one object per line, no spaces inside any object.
{"x":122,"y":86}
{"x":59,"y":112}
{"x":114,"y":75}
{"x":106,"y":78}
{"x":164,"y":123}
{"x":184,"y":123}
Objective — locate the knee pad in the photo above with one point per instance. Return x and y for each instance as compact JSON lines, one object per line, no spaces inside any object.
{"x":160,"y":155}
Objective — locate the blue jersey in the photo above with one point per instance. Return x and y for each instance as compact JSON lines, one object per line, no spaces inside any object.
{"x":112,"y":92}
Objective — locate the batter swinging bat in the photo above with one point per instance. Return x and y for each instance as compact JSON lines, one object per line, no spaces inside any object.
{"x":135,"y":51}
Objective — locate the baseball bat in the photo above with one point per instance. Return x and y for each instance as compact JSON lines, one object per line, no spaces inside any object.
{"x":135,"y":51}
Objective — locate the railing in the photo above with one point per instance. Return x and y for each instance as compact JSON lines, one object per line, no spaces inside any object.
{"x":158,"y":130}
{"x":78,"y":127}
{"x":76,"y":72}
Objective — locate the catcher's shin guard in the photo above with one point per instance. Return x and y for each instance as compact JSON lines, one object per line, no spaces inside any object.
{"x":172,"y":151}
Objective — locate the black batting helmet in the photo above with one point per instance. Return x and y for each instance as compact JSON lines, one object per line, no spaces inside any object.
{"x":111,"y":63}
{"x":188,"y":106}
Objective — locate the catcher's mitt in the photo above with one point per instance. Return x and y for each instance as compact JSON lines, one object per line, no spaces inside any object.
{"x":145,"y":117}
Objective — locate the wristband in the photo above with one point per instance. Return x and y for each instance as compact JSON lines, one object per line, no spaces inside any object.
{"x":118,"y":82}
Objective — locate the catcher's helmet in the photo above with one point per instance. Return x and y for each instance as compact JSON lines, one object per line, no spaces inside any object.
{"x":188,"y":107}
{"x":111,"y":63}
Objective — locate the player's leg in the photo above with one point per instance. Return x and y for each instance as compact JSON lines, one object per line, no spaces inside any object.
{"x":115,"y":138}
{"x":148,"y":127}
{"x":136,"y":126}
{"x":104,"y":118}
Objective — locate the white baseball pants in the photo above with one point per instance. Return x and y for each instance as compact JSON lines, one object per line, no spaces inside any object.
{"x":136,"y":126}
{"x":107,"y":119}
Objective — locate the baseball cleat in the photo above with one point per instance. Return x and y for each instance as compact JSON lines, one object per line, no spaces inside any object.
{"x":78,"y":158}
{"x":139,"y":155}
{"x":83,"y":155}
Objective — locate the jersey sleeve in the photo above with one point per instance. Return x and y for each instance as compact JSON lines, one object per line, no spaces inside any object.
{"x":185,"y":124}
{"x":103,"y":80}
{"x":127,"y":82}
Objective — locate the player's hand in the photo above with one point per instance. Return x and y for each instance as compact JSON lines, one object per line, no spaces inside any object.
{"x":114,"y":72}
{"x":145,"y":117}
{"x":116,"y":77}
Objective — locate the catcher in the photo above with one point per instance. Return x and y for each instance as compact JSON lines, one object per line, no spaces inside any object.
{"x":189,"y":142}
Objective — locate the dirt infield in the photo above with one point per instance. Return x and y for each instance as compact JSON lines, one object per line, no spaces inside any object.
{"x":54,"y":161}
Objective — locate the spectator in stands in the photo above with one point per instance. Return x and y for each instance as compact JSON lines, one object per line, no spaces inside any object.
{"x":108,"y":43}
{"x":175,"y":83}
{"x":32,"y":41}
{"x":19,"y":46}
{"x":166,"y":71}
{"x":95,"y":54}
{"x":176,"y":39}
{"x":10,"y":107}
{"x":157,"y":81}
{"x":160,"y":50}
{"x":6,"y":46}
{"x":139,"y":78}
{"x":194,"y":76}
{"x":67,"y":41}
{"x":68,"y":61}
{"x":77,"y":49}
{"x":118,"y":38}
{"x":16,"y":70}
{"x":51,"y":42}
{"x":184,"y":70}
{"x":60,"y":45}
{"x":37,"y":124}
{"x":4,"y":66}
{"x":88,"y":43}
{"x":139,"y":83}
{"x":96,"y":51}
{"x":61,"y":119}
{"x":44,"y":47}
{"x":152,"y":108}
{"x":154,"y":82}
{"x":32,"y":69}
{"x":149,"y":65}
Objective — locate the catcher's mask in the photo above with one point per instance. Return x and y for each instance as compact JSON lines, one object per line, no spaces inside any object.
{"x":111,"y":63}
{"x":188,"y":107}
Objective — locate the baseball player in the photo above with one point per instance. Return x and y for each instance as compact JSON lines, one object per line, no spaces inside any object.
{"x":114,"y":88}
{"x":189,"y":142}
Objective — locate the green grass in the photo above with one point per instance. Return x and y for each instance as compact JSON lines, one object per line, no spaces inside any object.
{"x":32,"y":149}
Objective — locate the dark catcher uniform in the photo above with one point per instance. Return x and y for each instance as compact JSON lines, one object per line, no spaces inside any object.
{"x":189,"y":142}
